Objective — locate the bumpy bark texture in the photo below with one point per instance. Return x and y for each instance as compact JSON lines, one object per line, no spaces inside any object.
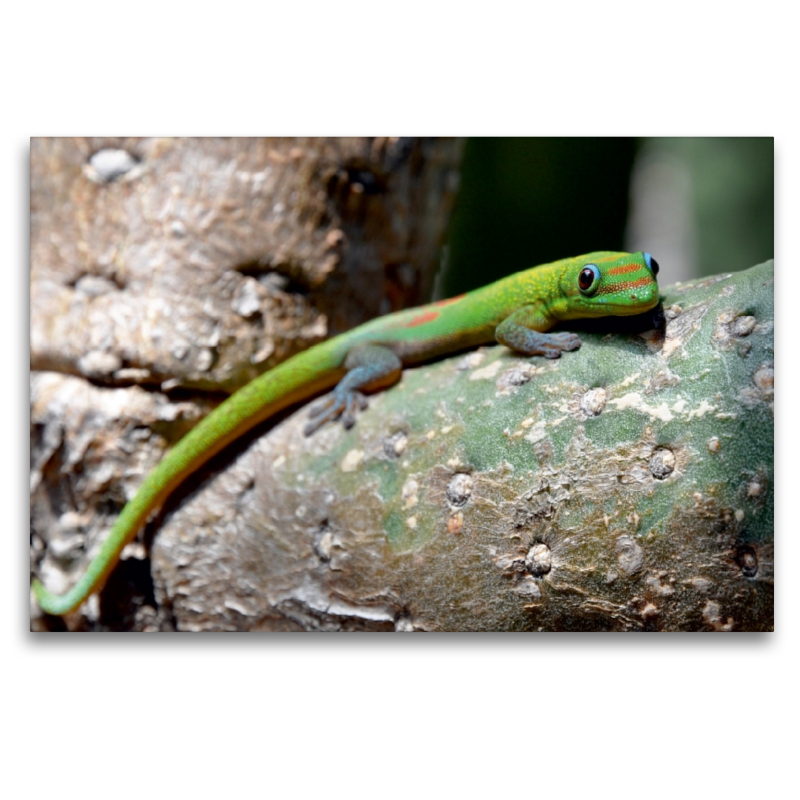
{"x":626,"y":486}
{"x":193,"y":265}
{"x":203,"y":262}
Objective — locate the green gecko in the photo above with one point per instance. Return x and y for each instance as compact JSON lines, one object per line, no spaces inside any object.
{"x":515,"y":311}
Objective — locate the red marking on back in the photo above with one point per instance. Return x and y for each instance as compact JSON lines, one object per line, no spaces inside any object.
{"x":428,"y":314}
{"x":623,"y":269}
{"x":421,"y":319}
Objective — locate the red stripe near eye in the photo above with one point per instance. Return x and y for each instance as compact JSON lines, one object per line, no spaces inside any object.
{"x":624,"y":286}
{"x":625,"y":268}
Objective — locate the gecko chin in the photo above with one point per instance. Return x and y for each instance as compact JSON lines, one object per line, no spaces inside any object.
{"x":630,"y":310}
{"x":626,"y":306}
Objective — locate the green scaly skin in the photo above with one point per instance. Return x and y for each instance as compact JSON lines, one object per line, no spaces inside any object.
{"x":515,"y":311}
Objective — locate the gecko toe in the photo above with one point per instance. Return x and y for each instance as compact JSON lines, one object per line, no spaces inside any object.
{"x":337,"y":405}
{"x":565,"y":341}
{"x":571,"y":342}
{"x":319,"y":408}
{"x":311,"y":427}
{"x":354,"y":401}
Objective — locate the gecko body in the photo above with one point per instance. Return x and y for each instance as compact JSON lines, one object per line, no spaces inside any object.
{"x":516,"y":311}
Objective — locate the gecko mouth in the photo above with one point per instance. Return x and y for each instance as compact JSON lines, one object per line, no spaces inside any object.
{"x":631,"y":310}
{"x":622,"y":305}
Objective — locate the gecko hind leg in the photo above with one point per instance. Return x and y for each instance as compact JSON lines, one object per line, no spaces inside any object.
{"x":369,"y":367}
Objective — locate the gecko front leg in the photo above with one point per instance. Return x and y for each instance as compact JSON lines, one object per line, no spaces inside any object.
{"x":369,"y":367}
{"x":523,"y":331}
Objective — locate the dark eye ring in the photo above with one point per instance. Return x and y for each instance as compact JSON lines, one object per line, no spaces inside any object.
{"x":651,"y":263}
{"x":588,"y":279}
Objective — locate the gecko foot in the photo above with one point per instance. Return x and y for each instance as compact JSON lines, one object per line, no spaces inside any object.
{"x":518,"y":333}
{"x":563,"y":341}
{"x":552,"y":345}
{"x":339,"y":403}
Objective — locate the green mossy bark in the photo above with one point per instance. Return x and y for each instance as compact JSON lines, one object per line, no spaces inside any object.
{"x":626,"y":486}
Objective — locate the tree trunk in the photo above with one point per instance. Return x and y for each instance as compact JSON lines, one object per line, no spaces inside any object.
{"x":627,"y":486}
{"x":165,"y":272}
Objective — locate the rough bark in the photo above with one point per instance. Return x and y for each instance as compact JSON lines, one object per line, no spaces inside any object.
{"x":175,"y":270}
{"x":626,"y":486}
{"x":203,"y":262}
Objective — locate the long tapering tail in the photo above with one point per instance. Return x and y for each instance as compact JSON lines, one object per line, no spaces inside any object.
{"x":297,"y":379}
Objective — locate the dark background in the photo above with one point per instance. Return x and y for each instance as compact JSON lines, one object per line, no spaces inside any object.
{"x":701,"y":206}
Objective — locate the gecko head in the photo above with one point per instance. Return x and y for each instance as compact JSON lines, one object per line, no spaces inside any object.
{"x":608,"y":284}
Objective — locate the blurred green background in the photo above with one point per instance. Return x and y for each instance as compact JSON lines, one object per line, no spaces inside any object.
{"x":700,"y":205}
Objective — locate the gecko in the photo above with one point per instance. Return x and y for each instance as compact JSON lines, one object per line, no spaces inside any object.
{"x":516,"y":311}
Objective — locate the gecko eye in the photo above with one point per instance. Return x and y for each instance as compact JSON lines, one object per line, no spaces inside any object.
{"x":589,"y":279}
{"x":652,"y":264}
